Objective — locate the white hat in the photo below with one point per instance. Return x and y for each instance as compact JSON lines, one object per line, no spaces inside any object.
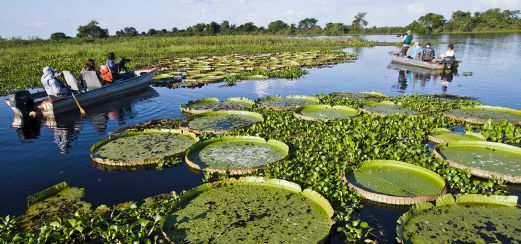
{"x":409,"y":31}
{"x":48,"y":69}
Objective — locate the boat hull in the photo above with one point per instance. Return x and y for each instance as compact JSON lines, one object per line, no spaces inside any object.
{"x":417,"y":63}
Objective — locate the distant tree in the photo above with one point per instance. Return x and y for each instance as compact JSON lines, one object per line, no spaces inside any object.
{"x":143,"y":33}
{"x":335,"y":29}
{"x":460,"y":21}
{"x":247,"y":28}
{"x":56,"y":36}
{"x":151,"y":32}
{"x":226,"y":28}
{"x":92,"y":30}
{"x":277,"y":26}
{"x":213,"y":28}
{"x":359,"y":22}
{"x":431,"y":22}
{"x":164,"y":31}
{"x":174,"y":30}
{"x":291,"y":30}
{"x":127,"y":31}
{"x":196,"y":30}
{"x":307,"y":23}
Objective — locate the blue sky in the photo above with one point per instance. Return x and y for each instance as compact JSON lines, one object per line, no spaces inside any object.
{"x":30,"y":18}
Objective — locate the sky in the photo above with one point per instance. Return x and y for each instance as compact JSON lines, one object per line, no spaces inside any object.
{"x":40,"y":18}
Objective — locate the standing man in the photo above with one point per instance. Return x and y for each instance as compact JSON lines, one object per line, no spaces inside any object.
{"x":407,"y":39}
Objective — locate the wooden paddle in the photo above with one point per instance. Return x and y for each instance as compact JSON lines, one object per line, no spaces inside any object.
{"x":82,"y":112}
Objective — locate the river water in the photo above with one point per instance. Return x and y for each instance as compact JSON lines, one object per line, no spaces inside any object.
{"x":42,"y":155}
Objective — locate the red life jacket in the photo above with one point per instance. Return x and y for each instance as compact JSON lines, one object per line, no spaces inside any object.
{"x":106,"y":74}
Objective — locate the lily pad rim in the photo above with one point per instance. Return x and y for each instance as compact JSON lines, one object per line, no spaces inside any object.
{"x":298,"y":111}
{"x":278,"y":145}
{"x":438,"y":131}
{"x":258,"y":116}
{"x":397,"y":200}
{"x":278,"y":98}
{"x":308,"y":193}
{"x":481,"y":121}
{"x":134,"y":163}
{"x":185,"y":108}
{"x":477,"y":171}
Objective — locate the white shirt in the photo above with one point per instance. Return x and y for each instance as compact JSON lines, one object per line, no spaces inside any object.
{"x":449,"y":53}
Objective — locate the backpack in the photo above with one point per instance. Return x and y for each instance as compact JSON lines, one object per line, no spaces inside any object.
{"x":106,"y":74}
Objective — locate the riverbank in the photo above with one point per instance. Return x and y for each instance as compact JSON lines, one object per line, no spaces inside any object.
{"x":21,"y":61}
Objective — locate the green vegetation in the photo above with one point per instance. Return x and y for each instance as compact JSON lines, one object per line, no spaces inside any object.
{"x":481,"y":114}
{"x":21,"y":62}
{"x":213,"y":104}
{"x":443,"y":136}
{"x":288,"y":102}
{"x":222,"y":122}
{"x":325,"y":112}
{"x":387,"y":108}
{"x":478,"y":218}
{"x":321,"y":153}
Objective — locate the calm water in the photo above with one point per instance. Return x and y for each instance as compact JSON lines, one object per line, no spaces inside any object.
{"x":36,"y":157}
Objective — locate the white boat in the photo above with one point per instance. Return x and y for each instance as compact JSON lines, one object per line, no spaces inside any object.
{"x":52,"y":106}
{"x":418,"y":63}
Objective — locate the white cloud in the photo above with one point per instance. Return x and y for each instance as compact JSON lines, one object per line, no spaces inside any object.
{"x":414,"y":9}
{"x":36,"y":24}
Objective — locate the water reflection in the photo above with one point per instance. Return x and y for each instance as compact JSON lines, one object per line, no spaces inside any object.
{"x":66,"y":127}
{"x":413,"y":76}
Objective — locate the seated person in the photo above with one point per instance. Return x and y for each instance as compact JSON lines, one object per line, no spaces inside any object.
{"x":448,"y":58}
{"x":449,"y":52}
{"x":52,"y":85}
{"x":414,"y":50}
{"x":89,"y":66}
{"x":428,"y":53}
{"x":115,"y":68}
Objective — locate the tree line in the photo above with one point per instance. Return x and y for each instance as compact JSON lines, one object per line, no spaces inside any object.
{"x":490,"y":20}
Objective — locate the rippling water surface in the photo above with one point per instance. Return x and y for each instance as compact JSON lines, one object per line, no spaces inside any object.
{"x":36,"y":157}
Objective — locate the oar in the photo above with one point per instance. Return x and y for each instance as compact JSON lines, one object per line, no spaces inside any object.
{"x":82,"y":112}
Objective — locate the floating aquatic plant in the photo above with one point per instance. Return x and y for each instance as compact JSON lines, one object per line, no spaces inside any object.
{"x":288,"y":102}
{"x":325,"y":112}
{"x":213,"y":104}
{"x":443,"y":135}
{"x":222,"y":122}
{"x":387,"y":108}
{"x":481,"y":114}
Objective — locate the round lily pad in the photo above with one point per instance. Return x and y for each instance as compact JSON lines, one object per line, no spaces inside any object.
{"x":387,"y":108}
{"x":235,"y":155}
{"x":395,"y":182}
{"x":469,"y":218}
{"x":325,"y":112}
{"x":141,"y":148}
{"x":443,"y":135}
{"x":484,"y":159}
{"x":213,"y":104}
{"x":288,"y":102}
{"x":249,"y":210}
{"x":481,"y":114}
{"x":222,"y":122}
{"x":358,"y":95}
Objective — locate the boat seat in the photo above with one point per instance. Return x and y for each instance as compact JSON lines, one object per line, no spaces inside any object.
{"x":91,"y":80}
{"x":71,"y":81}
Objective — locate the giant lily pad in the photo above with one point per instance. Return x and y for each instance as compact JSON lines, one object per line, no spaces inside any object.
{"x":325,"y":112}
{"x":141,"y":148}
{"x":443,"y":135}
{"x":358,"y":95}
{"x":222,"y":122}
{"x":58,"y":201}
{"x":235,"y":154}
{"x":395,"y":182}
{"x":288,"y":102}
{"x":213,"y":104}
{"x":481,"y":114}
{"x":484,"y":159}
{"x":387,"y":108}
{"x":250,"y":210}
{"x":469,"y":218}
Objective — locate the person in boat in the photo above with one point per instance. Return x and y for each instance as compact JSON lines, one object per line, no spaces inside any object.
{"x":406,"y":43}
{"x":88,"y":66}
{"x":415,"y":51}
{"x":448,"y":58}
{"x":428,"y":53}
{"x":52,"y":85}
{"x":111,"y":70}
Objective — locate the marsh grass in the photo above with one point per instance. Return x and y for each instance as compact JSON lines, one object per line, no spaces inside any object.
{"x":21,"y":61}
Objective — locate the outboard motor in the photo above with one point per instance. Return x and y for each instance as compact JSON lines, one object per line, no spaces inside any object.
{"x":449,"y":62}
{"x":23,"y":101}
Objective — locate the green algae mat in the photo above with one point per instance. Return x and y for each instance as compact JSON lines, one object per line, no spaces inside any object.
{"x":469,"y":218}
{"x":358,"y":95}
{"x":484,"y":159}
{"x":249,"y":210}
{"x":443,"y":135}
{"x":235,"y":155}
{"x":481,"y":114}
{"x":395,"y":182}
{"x":214,"y":104}
{"x":387,"y":108}
{"x":141,"y":148}
{"x":288,"y":102}
{"x":325,"y":112}
{"x":222,"y":122}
